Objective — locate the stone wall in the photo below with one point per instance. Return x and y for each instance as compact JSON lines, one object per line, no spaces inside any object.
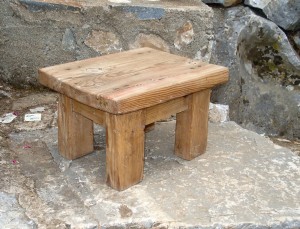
{"x":36,"y":34}
{"x":263,"y":91}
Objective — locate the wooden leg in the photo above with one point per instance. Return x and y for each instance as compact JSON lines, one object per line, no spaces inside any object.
{"x":75,"y":132}
{"x":192,"y":126}
{"x":124,"y":149}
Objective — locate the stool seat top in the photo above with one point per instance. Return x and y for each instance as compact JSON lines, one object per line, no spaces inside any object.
{"x":131,"y":80}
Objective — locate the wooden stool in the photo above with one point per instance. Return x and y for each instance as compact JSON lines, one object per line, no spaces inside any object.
{"x":125,"y":92}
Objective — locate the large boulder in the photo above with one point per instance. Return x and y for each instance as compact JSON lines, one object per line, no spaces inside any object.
{"x":263,"y":91}
{"x":285,"y":14}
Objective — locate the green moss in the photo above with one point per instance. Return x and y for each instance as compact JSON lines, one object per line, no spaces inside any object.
{"x":272,"y":66}
{"x":275,"y":46}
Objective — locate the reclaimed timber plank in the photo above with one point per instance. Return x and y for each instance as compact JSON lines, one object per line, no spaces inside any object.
{"x":132,"y":80}
{"x":91,"y":113}
{"x":192,"y":126}
{"x":124,"y":149}
{"x":165,"y":110}
{"x":75,"y":132}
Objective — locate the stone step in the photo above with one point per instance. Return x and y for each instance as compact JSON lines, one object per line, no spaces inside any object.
{"x":242,"y":181}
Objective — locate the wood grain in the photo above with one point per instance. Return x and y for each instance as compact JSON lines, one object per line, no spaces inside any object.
{"x":124,"y":149}
{"x":91,"y":113}
{"x":75,"y":132}
{"x":192,"y":126}
{"x":165,"y":110}
{"x":132,"y":80}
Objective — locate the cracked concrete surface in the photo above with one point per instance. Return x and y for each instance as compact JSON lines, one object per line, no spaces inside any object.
{"x":242,"y":181}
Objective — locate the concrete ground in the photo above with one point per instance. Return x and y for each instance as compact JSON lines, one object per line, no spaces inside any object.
{"x":244,"y":180}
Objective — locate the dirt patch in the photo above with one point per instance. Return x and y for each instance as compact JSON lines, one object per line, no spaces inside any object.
{"x":18,"y":102}
{"x":125,"y":211}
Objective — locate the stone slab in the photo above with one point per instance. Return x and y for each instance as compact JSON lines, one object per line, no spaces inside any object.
{"x":242,"y":181}
{"x":34,"y":100}
{"x":12,"y":214}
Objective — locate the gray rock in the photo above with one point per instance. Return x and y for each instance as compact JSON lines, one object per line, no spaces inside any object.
{"x":103,"y":42}
{"x":184,"y":36}
{"x":285,"y":14}
{"x":263,"y":65}
{"x":257,"y":3}
{"x":150,"y":40}
{"x":144,"y":13}
{"x":225,"y":3}
{"x":12,"y":215}
{"x":218,"y":113}
{"x":296,"y":39}
{"x":68,"y":40}
{"x":38,"y":6}
{"x":4,"y":94}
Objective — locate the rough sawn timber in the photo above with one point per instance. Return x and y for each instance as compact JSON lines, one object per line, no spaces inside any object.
{"x":131,"y":80}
